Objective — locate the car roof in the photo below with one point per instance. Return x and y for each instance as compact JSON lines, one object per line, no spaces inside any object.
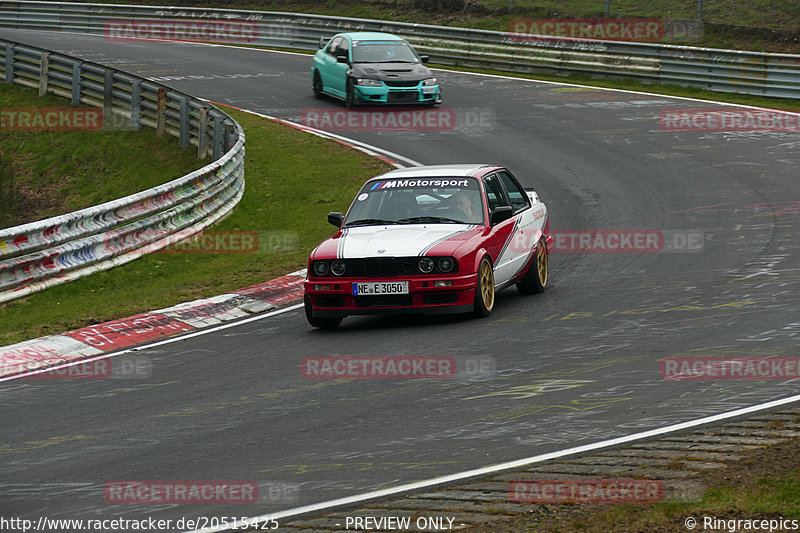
{"x":435,"y":171}
{"x":371,"y":36}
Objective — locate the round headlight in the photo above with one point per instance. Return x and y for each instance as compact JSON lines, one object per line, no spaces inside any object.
{"x":446,"y":264}
{"x":426,"y":265}
{"x":321,"y":268}
{"x":338,"y":268}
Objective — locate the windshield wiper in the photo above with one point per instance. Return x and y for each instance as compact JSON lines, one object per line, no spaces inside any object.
{"x":370,"y":222}
{"x":411,"y":220}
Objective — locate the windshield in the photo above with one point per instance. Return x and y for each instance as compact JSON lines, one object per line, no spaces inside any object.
{"x":417,"y":201}
{"x":383,"y":52}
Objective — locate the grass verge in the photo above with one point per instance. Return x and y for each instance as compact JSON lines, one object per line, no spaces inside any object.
{"x":49,"y":173}
{"x":293,"y":180}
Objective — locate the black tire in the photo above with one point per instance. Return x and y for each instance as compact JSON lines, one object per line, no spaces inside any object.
{"x":320,"y":322}
{"x":535,"y":280}
{"x":316,"y":85}
{"x":484,"y":289}
{"x":350,"y":94}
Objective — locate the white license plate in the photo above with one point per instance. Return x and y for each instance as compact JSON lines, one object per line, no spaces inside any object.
{"x":380,"y":287}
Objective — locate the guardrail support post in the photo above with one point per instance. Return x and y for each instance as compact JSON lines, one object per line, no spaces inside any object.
{"x":136,"y":103}
{"x":10,"y":51}
{"x":183,"y":139}
{"x":44,"y":68}
{"x":201,"y":133}
{"x":108,"y":97}
{"x":77,"y":72}
{"x":161,"y":112}
{"x":230,"y":138}
{"x":218,"y":139}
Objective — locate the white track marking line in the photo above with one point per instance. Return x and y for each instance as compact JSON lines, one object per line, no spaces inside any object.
{"x":156,"y":344}
{"x":462,"y":476}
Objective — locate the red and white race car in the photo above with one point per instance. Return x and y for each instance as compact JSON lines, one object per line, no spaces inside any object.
{"x":431,"y":239}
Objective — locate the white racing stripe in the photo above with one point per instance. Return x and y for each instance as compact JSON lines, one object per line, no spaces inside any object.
{"x":408,"y":240}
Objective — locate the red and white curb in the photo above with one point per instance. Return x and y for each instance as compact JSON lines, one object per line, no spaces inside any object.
{"x":37,"y":354}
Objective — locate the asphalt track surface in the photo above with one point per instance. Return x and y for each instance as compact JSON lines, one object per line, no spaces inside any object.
{"x":575,"y":365}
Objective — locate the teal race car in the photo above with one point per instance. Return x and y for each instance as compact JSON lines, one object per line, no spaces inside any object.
{"x":373,"y":68}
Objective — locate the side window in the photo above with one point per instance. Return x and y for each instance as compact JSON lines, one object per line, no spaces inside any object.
{"x":517,"y":195}
{"x":334,"y":45}
{"x":494,"y":192}
{"x":342,"y":49}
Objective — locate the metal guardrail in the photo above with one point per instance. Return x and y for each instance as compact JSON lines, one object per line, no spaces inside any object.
{"x":765,"y":74}
{"x":47,"y":252}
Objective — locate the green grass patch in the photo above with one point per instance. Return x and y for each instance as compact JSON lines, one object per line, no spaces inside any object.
{"x":767,"y":498}
{"x":49,"y":173}
{"x":293,"y":180}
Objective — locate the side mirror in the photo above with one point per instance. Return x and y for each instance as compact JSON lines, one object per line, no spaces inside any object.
{"x":336,"y":218}
{"x":342,"y":59}
{"x":323,"y":41}
{"x":501,"y":213}
{"x":424,"y":59}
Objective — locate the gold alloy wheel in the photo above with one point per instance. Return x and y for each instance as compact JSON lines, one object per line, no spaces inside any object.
{"x":541,"y":262}
{"x":486,"y":280}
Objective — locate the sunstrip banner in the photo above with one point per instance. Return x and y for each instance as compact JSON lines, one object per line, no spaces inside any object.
{"x":432,"y":182}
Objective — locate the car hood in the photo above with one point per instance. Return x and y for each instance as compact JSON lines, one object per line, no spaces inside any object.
{"x":391,"y":71}
{"x":391,"y":241}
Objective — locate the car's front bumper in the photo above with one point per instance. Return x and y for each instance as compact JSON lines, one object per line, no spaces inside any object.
{"x":398,"y":95}
{"x":338,"y":300}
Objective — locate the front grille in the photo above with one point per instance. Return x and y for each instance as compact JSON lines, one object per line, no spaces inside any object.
{"x":396,"y":83}
{"x":384,"y":300}
{"x":383,"y":267}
